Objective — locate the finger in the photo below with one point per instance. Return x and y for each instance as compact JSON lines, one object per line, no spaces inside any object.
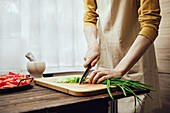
{"x":88,"y":61}
{"x":84,"y":65}
{"x":103,"y":78}
{"x":84,"y":58}
{"x":89,"y":80}
{"x":92,"y":61}
{"x":95,"y":61}
{"x":98,"y":75}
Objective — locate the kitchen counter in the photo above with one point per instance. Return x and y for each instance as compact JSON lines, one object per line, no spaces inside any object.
{"x":43,"y":100}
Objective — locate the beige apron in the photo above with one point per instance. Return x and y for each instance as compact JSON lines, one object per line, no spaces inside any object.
{"x":118,"y":27}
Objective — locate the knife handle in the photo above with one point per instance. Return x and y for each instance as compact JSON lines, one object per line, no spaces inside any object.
{"x":89,"y":65}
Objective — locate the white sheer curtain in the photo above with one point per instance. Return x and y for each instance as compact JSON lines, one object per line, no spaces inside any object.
{"x":51,"y":29}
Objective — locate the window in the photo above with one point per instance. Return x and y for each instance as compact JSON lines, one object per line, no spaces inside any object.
{"x":51,"y":29}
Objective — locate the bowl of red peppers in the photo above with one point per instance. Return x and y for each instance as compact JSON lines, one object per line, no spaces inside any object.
{"x":14,"y":82}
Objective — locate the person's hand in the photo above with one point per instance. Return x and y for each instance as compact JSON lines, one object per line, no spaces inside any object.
{"x":102,"y":74}
{"x":92,"y":55}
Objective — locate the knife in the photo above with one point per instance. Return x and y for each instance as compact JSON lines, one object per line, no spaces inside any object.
{"x":85,"y":73}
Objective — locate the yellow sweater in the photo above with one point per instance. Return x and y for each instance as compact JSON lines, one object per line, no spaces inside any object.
{"x":149,"y":16}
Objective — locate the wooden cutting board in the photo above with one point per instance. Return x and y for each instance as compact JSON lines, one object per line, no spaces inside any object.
{"x":73,"y":88}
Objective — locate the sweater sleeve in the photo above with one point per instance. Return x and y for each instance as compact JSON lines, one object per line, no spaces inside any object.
{"x":90,"y":15}
{"x":149,"y":18}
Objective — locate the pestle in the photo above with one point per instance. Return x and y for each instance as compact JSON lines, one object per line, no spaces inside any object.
{"x":30,"y":57}
{"x":35,"y":68}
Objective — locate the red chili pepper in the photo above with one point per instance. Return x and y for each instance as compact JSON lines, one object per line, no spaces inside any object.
{"x":11,"y":73}
{"x":3,"y":78}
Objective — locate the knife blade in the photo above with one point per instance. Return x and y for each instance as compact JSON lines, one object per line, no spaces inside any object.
{"x":85,"y":73}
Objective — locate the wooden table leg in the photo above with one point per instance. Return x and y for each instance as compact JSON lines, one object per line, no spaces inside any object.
{"x":114,"y":106}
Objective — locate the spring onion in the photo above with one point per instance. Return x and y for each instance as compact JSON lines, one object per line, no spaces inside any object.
{"x":124,"y":85}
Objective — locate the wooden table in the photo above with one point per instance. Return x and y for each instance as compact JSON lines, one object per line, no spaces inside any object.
{"x":43,"y":100}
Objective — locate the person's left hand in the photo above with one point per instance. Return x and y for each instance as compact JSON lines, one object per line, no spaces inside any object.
{"x":102,"y":74}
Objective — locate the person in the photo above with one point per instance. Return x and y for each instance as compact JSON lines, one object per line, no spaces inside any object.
{"x":126,"y":31}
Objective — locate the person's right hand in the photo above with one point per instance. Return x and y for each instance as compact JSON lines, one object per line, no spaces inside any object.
{"x":92,"y":55}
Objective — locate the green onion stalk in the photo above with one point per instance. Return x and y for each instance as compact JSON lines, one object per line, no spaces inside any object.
{"x":124,"y":85}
